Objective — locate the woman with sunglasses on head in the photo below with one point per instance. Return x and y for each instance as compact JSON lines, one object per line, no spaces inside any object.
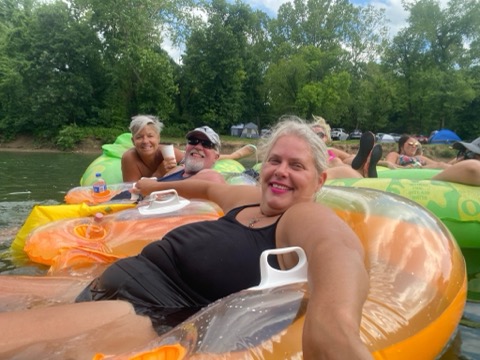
{"x":344,"y":165}
{"x":407,"y":157}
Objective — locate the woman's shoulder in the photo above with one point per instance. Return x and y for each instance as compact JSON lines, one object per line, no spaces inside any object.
{"x":393,"y":154}
{"x":129,"y":153}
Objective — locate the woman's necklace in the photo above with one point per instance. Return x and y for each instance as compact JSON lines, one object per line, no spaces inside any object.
{"x":256,"y":219}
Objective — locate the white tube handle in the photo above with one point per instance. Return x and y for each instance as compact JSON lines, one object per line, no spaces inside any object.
{"x":271,"y":277}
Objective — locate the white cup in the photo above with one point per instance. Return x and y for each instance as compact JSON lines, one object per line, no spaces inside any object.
{"x":167,"y":151}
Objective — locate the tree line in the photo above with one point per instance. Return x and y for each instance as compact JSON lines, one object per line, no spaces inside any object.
{"x":92,"y":64}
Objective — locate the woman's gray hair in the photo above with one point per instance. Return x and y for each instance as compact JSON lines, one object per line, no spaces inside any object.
{"x":140,"y":121}
{"x":293,"y":125}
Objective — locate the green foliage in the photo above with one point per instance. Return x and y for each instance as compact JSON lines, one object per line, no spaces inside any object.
{"x":83,"y":68}
{"x":72,"y":135}
{"x":69,"y":136}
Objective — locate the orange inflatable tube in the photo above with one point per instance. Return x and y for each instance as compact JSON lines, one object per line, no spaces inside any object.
{"x":74,"y":246}
{"x":416,"y":298}
{"x":85,"y":194}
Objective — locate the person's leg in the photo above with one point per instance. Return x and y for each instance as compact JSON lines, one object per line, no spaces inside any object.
{"x":464,"y":172}
{"x":26,"y":292}
{"x":244,"y":151}
{"x":342,"y":172}
{"x":375,"y":156}
{"x":105,"y":326}
{"x":367,"y":140}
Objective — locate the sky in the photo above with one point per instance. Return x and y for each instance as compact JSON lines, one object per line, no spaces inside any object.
{"x":394,"y":13}
{"x":393,"y":9}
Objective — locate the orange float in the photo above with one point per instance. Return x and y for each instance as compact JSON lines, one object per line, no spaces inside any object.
{"x":416,"y":298}
{"x":75,"y":245}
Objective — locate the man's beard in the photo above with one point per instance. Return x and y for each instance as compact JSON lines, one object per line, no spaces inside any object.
{"x":194,"y":165}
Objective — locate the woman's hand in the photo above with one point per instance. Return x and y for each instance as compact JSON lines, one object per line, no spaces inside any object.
{"x":169,"y":164}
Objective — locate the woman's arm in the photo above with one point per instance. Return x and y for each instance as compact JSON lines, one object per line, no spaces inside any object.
{"x":388,"y":164}
{"x":130,"y":166}
{"x":337,"y":278}
{"x":179,"y":155}
{"x":392,"y":157}
{"x":464,"y":172}
{"x":432,"y":164}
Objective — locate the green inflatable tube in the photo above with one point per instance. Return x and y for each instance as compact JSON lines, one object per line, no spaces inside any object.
{"x":418,"y":174}
{"x":109,"y":163}
{"x":456,"y":205}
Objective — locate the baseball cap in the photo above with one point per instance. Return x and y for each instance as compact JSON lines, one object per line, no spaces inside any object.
{"x":473,"y":146}
{"x":207,"y":132}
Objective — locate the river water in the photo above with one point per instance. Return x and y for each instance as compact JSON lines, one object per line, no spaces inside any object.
{"x":29,"y":178}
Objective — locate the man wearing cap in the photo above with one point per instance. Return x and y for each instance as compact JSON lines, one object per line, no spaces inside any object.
{"x":201,"y":153}
{"x":465,"y":168}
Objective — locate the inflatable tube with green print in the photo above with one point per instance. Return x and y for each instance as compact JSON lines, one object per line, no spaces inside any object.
{"x":456,"y":205}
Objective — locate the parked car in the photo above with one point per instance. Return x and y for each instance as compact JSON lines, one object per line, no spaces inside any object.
{"x":355,"y":134}
{"x":338,"y":134}
{"x":395,"y":136}
{"x":422,"y":139}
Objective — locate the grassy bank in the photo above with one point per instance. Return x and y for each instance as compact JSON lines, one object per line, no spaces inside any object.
{"x":229,"y":144}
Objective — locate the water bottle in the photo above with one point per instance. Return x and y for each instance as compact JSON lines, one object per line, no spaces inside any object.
{"x":99,"y":186}
{"x":94,"y":228}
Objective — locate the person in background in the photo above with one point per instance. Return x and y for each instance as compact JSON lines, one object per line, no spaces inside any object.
{"x":201,"y":153}
{"x":465,"y":168}
{"x":145,"y":159}
{"x":344,"y":165}
{"x":196,"y":264}
{"x":406,"y":156}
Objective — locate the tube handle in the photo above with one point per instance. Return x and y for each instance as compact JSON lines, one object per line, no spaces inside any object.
{"x":271,"y":277}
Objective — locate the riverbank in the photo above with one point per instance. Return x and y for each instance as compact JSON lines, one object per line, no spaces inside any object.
{"x":29,"y":144}
{"x":93,"y":146}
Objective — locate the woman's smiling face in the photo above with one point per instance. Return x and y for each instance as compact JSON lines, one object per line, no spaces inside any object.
{"x":147,"y":140}
{"x":289,"y":175}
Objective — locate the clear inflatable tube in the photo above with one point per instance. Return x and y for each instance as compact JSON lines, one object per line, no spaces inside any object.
{"x":415,"y":302}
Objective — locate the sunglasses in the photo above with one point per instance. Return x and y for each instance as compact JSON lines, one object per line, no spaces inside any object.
{"x":207,"y":144}
{"x":414,"y":144}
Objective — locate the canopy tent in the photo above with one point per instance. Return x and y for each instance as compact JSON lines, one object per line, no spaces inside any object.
{"x":443,"y":136}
